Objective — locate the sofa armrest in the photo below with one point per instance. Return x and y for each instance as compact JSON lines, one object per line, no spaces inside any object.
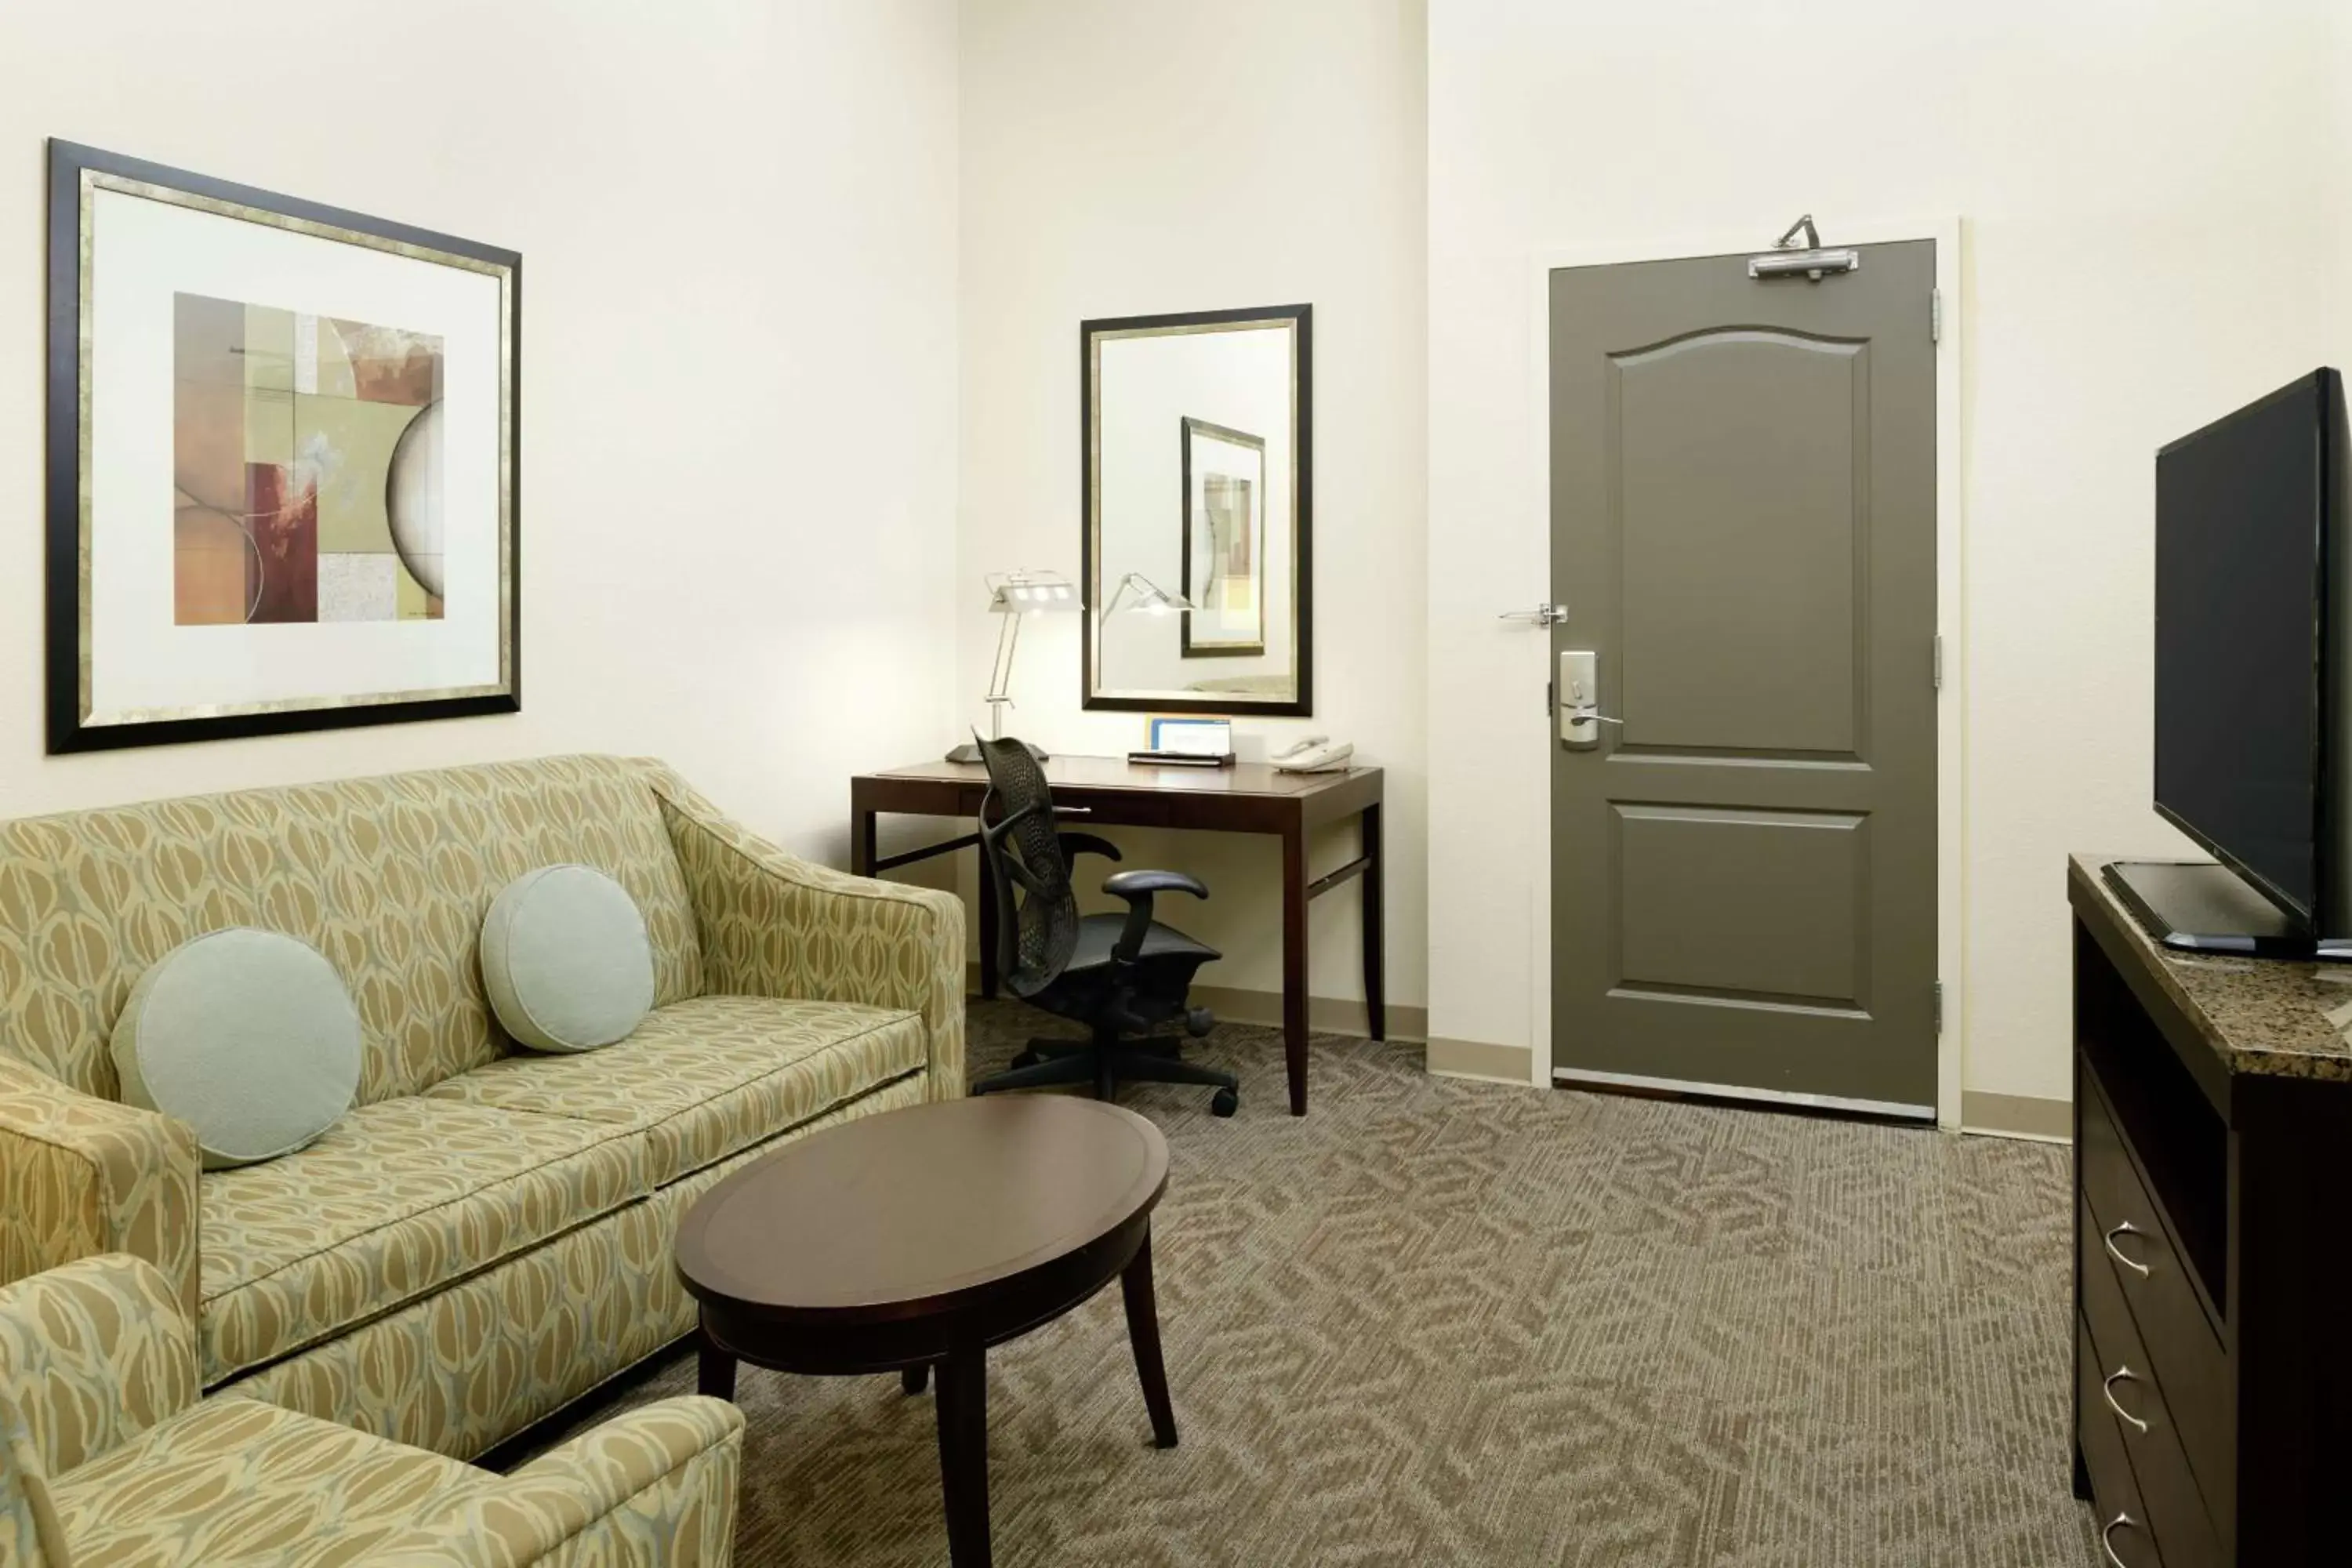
{"x":775,"y":925}
{"x":92,"y":1354}
{"x":653,"y":1485}
{"x":86,"y":1175}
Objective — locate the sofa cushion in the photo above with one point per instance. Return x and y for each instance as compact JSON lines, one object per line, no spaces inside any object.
{"x":397,"y":1199}
{"x":235,"y":1482}
{"x":246,"y":1036}
{"x":566,"y":959}
{"x":704,"y":1077}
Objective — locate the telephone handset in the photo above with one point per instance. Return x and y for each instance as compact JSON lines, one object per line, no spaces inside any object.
{"x":1314,"y":755}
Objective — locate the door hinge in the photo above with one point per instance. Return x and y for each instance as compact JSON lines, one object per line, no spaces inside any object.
{"x":1551,"y":697}
{"x":1938,"y":1006}
{"x":1934,"y":315}
{"x":1938,"y":675}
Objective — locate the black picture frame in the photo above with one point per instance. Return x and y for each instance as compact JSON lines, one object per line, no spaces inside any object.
{"x":1301,"y":319}
{"x":1187,"y":645}
{"x":68,"y":729}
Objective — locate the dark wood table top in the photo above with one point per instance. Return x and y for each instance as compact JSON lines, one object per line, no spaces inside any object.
{"x":1118,"y":773}
{"x":921,"y":1211}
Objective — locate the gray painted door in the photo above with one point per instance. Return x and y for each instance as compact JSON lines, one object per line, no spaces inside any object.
{"x":1743,"y":515}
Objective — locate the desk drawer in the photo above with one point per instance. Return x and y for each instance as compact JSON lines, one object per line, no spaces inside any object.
{"x":2136,"y":1404}
{"x":2166,"y":1312}
{"x":2115,"y":1509}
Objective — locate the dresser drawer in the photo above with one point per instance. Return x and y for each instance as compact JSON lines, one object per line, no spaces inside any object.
{"x":2115,"y":1509}
{"x":2122,"y":1239}
{"x":2132,"y":1397}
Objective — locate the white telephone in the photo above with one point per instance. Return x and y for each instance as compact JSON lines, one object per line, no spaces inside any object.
{"x":1314,"y":755}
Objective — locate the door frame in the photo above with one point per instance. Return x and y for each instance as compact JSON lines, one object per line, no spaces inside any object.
{"x":1952,"y":956}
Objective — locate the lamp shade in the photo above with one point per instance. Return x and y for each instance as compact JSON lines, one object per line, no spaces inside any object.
{"x":1021,"y":592}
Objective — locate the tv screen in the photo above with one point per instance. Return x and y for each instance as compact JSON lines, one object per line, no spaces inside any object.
{"x":2239,"y":518}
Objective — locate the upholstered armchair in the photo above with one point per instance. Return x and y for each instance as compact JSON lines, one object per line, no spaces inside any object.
{"x":109,"y":1456}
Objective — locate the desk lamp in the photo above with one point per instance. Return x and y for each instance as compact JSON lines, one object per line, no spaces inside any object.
{"x":1020,"y":593}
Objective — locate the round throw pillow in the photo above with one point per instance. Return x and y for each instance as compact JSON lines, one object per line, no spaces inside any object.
{"x":246,"y":1036}
{"x":566,"y":959}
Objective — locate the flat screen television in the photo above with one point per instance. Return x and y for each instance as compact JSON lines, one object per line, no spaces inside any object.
{"x":2253,"y":653}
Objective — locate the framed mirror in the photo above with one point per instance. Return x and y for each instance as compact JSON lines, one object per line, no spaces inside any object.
{"x":1199,"y":481}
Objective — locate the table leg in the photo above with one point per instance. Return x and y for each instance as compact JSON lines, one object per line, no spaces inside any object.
{"x":915,"y":1378}
{"x":1376,"y":1011}
{"x":987,"y":928}
{"x":1293,"y":962}
{"x":963,"y":1454}
{"x":861,"y":842}
{"x":714,"y":1370}
{"x":1143,"y":1333}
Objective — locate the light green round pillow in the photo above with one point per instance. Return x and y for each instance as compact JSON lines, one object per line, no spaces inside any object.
{"x":566,"y":959}
{"x":246,"y":1036}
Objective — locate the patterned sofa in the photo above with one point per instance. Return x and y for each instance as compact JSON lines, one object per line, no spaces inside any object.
{"x":108,"y":1459}
{"x":486,"y":1234}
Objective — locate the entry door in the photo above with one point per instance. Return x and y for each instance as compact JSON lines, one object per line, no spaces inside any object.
{"x":1743,"y":517}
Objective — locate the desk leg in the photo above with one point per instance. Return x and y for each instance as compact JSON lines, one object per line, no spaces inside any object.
{"x":1294,"y":962}
{"x":987,"y":928}
{"x":1376,"y":1011}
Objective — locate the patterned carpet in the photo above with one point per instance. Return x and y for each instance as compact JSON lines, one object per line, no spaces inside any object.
{"x":1448,"y":1323}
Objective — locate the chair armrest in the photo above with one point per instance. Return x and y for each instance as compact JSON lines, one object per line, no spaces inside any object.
{"x":653,"y":1485}
{"x":1137,"y":887}
{"x":93,"y":1354}
{"x":1133,"y":885}
{"x":86,"y":1175}
{"x":775,"y":925}
{"x":1076,"y":844}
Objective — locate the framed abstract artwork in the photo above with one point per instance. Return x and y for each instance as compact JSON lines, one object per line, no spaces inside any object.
{"x":283,"y":461}
{"x":1224,"y":543}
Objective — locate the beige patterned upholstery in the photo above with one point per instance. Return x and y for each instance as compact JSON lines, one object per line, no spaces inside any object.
{"x":487,"y":1235}
{"x":706,"y":1077}
{"x":96,"y":1375}
{"x":394,"y":1201}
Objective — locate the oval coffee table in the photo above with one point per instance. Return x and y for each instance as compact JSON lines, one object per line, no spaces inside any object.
{"x":921,"y":1238}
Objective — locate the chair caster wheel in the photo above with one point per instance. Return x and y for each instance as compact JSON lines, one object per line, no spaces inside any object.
{"x":1198,"y":1022}
{"x":1224,"y":1102}
{"x":1027,"y":1058}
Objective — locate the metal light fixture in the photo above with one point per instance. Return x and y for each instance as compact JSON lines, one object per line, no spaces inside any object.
{"x":1016,"y":596}
{"x":1140,"y":593}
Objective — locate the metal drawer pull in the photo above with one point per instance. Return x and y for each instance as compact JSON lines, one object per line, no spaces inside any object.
{"x":2121,"y":1520}
{"x":2107,"y":1389}
{"x":2127,"y":1228}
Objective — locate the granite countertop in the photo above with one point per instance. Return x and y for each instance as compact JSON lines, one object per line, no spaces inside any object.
{"x":2265,"y":1016}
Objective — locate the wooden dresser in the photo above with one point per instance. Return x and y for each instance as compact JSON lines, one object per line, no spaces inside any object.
{"x":2212,"y":1248}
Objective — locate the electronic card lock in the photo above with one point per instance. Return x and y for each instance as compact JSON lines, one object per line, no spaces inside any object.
{"x":1579,"y":700}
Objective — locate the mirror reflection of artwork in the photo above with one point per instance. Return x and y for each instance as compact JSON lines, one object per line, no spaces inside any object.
{"x":1194,"y":551}
{"x":1225,"y":544}
{"x":306,"y":467}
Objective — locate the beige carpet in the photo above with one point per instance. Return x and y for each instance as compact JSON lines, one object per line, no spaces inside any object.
{"x":1448,"y":1323}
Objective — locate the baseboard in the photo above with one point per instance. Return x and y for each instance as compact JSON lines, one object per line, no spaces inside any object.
{"x":1325,"y":1014}
{"x":2017,"y":1115}
{"x":1483,"y":1059}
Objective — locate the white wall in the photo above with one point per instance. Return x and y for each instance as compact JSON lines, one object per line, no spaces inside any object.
{"x":738,"y":229}
{"x":1131,"y":159}
{"x":2149,"y":245}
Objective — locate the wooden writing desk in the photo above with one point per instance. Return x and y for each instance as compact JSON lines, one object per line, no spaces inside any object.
{"x":1251,"y":797}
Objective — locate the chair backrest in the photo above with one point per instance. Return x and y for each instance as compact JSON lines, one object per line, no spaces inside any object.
{"x":1036,"y":909}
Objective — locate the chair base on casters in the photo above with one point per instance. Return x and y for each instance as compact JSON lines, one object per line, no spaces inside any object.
{"x":1105,"y":1065}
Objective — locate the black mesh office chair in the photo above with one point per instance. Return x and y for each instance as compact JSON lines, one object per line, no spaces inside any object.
{"x":1119,"y":975}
